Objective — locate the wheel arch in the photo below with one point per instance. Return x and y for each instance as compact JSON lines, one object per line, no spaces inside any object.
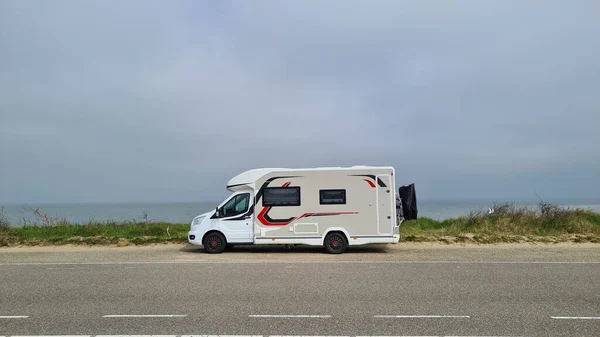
{"x":211,"y":231}
{"x":336,"y":229}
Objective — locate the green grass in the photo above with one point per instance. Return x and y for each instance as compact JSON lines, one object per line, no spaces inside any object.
{"x":508,"y":223}
{"x":95,"y":234}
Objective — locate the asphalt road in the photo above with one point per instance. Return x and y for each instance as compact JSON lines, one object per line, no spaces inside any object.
{"x":521,"y":295}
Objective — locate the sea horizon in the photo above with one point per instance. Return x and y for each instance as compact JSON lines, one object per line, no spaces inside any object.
{"x":184,"y":212}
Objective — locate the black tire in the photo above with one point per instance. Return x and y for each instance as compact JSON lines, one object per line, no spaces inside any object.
{"x":335,"y":243}
{"x":214,"y":243}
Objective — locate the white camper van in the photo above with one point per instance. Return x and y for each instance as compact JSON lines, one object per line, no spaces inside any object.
{"x":331,"y":207}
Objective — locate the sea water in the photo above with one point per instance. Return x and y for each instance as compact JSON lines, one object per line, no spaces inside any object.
{"x":184,"y":212}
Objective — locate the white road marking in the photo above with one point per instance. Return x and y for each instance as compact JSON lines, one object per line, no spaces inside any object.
{"x":419,"y":316}
{"x":566,"y":317}
{"x":131,"y":336}
{"x":140,"y":316}
{"x":227,"y":336}
{"x":8,"y":317}
{"x":222,"y":336}
{"x":52,"y":268}
{"x":290,"y":316}
{"x":289,"y":262}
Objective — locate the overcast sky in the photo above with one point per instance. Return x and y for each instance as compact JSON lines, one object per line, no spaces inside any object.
{"x":166,"y":100}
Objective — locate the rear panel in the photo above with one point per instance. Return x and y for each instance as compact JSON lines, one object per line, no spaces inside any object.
{"x":386,"y":214}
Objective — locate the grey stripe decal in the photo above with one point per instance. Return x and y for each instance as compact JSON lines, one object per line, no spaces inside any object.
{"x":319,"y":237}
{"x":288,"y":237}
{"x":371,"y":236}
{"x":236,"y":185}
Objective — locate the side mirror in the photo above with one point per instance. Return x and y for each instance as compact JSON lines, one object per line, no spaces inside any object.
{"x":217,"y":211}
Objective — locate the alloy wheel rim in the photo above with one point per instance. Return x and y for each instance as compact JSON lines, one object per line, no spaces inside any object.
{"x":335,"y":243}
{"x":214,"y":242}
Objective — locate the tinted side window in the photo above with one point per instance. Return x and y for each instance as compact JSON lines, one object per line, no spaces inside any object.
{"x":332,"y":197}
{"x":236,"y":205}
{"x":281,"y":196}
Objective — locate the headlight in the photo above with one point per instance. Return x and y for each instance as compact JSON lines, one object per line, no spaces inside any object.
{"x":197,"y":221}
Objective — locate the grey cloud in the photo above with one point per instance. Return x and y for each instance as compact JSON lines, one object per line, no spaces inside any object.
{"x":165,"y":101}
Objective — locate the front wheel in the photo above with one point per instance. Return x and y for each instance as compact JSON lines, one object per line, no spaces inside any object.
{"x":214,"y":243}
{"x":335,"y":243}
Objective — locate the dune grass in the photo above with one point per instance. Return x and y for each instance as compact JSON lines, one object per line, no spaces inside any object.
{"x":99,"y":233}
{"x":508,"y":223}
{"x":4,"y":223}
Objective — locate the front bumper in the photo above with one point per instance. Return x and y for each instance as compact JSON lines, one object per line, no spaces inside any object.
{"x":195,"y":238}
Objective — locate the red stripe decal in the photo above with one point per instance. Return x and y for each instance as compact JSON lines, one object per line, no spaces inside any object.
{"x":370,"y":182}
{"x":261,"y":217}
{"x":263,"y":220}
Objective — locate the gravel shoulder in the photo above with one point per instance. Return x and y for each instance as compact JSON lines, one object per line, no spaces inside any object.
{"x":520,"y":252}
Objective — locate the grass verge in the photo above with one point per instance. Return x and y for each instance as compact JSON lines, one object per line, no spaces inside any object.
{"x":507,"y":223}
{"x":110,"y":233}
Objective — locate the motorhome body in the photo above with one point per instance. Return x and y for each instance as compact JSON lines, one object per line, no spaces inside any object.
{"x":331,"y":207}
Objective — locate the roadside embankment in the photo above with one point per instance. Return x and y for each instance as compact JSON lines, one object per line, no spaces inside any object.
{"x":509,"y":223}
{"x":111,"y":233}
{"x":506,"y":224}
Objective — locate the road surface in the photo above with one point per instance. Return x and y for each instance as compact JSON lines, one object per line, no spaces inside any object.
{"x":404,"y":291}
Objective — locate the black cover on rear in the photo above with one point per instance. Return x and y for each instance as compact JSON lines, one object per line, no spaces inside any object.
{"x":409,"y":201}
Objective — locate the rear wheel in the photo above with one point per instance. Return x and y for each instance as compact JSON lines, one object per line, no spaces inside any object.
{"x":335,"y":243}
{"x":214,"y":243}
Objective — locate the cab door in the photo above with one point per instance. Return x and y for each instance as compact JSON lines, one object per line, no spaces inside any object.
{"x":235,"y":218}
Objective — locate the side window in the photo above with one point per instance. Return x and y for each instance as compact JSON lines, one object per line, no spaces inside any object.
{"x":281,"y":196}
{"x":241,"y":203}
{"x":332,"y":197}
{"x":236,"y":205}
